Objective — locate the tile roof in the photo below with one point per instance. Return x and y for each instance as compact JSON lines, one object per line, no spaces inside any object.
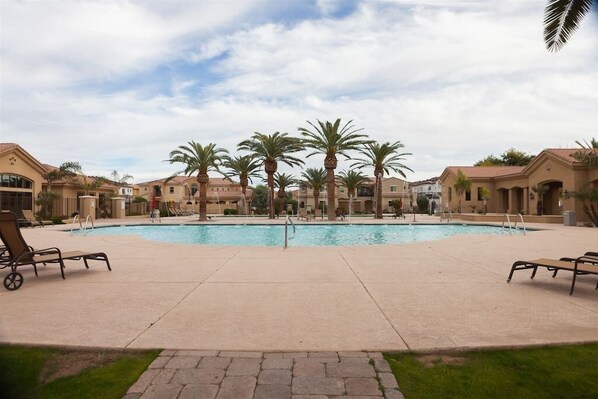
{"x":486,"y":171}
{"x":566,"y":154}
{"x":7,"y":146}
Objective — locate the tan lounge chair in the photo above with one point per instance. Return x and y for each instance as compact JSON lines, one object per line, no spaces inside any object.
{"x":21,"y":254}
{"x":31,"y":220}
{"x":586,"y":264}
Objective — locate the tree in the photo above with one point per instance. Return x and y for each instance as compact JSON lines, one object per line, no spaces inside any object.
{"x":201,"y":160}
{"x":462,"y":185}
{"x":588,"y":155}
{"x":119,"y":180}
{"x":422,"y":203}
{"x":282,"y":181}
{"x":561,"y":19}
{"x":352,"y":180}
{"x":510,"y":157}
{"x":269,"y":150}
{"x":589,"y":199}
{"x":314,"y":178}
{"x":540,"y":189}
{"x":66,"y":171}
{"x":260,"y":198}
{"x":327,"y":139}
{"x":383,"y":158}
{"x":245,"y":167}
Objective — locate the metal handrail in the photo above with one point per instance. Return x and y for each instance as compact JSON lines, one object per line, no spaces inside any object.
{"x":286,"y":231}
{"x":522,"y":223}
{"x":508,"y":220}
{"x":77,"y":218}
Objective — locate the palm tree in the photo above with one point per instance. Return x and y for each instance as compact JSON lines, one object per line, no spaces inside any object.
{"x":282,"y":181}
{"x":201,"y":160}
{"x":352,"y":180}
{"x":269,"y":150}
{"x":589,"y":153}
{"x":66,"y":171}
{"x":561,"y":19}
{"x":462,"y":185}
{"x":245,"y":167}
{"x":315,"y":179}
{"x":384,"y":158}
{"x":327,"y":139}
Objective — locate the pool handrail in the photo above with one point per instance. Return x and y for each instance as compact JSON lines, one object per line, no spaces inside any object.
{"x":286,"y":231}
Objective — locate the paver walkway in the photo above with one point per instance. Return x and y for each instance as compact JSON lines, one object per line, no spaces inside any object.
{"x":270,"y":375}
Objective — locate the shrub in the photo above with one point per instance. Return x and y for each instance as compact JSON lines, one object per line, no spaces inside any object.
{"x":229,"y":211}
{"x":139,"y":199}
{"x":57,"y":220}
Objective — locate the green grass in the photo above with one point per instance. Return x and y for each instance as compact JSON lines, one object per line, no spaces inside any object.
{"x":21,"y":369}
{"x":549,"y":372}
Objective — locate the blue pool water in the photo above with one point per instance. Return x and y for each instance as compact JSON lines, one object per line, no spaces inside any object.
{"x":306,"y":235}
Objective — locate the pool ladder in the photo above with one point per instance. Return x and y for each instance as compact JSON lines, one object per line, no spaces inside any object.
{"x":507,"y":218}
{"x":286,"y":231}
{"x":88,"y":220}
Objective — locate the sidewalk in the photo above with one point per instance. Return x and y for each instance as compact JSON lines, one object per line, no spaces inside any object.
{"x":270,"y":375}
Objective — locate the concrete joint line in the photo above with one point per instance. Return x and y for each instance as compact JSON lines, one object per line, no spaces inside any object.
{"x":181,"y":300}
{"x":374,"y":301}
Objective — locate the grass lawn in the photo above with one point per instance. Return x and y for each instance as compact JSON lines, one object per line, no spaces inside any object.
{"x":549,"y":372}
{"x":27,"y":372}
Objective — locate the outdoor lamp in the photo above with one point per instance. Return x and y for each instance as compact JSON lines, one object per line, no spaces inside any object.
{"x":531,"y":195}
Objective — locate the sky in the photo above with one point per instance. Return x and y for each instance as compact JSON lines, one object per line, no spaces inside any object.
{"x":117,"y":85}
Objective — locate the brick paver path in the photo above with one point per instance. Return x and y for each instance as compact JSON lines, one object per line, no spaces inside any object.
{"x":269,"y":375}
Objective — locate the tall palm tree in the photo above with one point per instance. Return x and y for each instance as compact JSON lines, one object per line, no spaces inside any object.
{"x":327,"y":139}
{"x":201,"y":160}
{"x":315,"y":179}
{"x":588,"y":155}
{"x":462,"y":185}
{"x":561,"y":19}
{"x":245,"y":167}
{"x":282,"y":181}
{"x":270,"y":149}
{"x":352,"y":180}
{"x":383,"y":158}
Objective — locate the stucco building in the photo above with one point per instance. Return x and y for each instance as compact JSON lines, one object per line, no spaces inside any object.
{"x":183,"y":192}
{"x":511,"y":187}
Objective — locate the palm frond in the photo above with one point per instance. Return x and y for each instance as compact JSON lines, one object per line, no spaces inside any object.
{"x":561,"y":19}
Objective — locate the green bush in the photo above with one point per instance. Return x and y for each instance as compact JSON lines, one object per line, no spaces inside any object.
{"x":229,"y":211}
{"x":57,"y":220}
{"x":139,"y":199}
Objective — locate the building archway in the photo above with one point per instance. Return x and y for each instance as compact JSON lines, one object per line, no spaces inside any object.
{"x":552,"y":199}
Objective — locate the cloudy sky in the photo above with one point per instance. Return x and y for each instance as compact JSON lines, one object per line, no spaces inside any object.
{"x":117,"y":85}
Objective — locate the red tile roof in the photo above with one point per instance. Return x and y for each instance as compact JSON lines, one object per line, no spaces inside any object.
{"x":486,"y":171}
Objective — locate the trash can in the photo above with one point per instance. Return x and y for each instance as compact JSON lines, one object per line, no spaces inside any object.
{"x":569,"y":218}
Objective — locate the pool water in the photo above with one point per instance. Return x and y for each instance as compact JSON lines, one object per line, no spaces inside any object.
{"x":305,"y":235}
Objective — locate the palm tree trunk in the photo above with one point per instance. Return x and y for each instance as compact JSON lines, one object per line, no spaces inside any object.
{"x":271,"y":195}
{"x":330,"y":187}
{"x":379,"y":196}
{"x":203,"y":196}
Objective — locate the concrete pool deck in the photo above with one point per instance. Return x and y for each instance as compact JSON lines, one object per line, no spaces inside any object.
{"x":439,"y":294}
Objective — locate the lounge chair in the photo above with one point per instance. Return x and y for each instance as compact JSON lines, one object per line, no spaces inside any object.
{"x":21,"y":254}
{"x":31,"y":220}
{"x":304,"y":215}
{"x":586,"y":264}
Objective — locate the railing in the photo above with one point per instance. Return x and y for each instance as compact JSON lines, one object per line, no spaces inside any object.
{"x":154,"y":216}
{"x":286,"y":231}
{"x":443,"y":216}
{"x":88,"y":220}
{"x":513,"y":226}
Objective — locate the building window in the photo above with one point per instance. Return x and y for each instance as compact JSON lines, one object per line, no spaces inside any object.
{"x":468,"y":195}
{"x":393,"y":189}
{"x":15,"y":181}
{"x":341,"y":190}
{"x":171,"y":190}
{"x":450,"y":194}
{"x":480,"y":196}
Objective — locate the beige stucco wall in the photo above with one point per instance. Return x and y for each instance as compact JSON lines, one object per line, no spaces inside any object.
{"x":17,"y":162}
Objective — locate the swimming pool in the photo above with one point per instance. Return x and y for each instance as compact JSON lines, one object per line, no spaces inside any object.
{"x":306,"y":235}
